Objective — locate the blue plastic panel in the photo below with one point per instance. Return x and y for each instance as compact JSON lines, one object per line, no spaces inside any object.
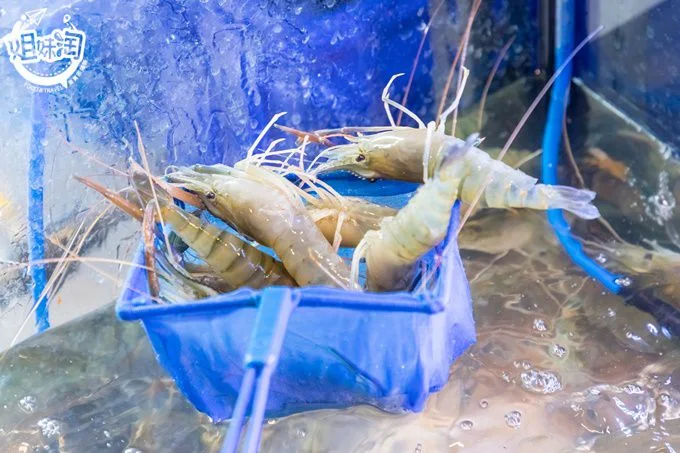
{"x":203,"y":78}
{"x":342,"y":347}
{"x":635,"y":63}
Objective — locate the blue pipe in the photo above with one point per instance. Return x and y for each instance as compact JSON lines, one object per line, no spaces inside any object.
{"x":559,"y":95}
{"x":36,"y":233}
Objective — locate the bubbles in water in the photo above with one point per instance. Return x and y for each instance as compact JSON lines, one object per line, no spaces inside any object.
{"x":49,"y":427}
{"x":633,"y":336}
{"x":483,"y":404}
{"x":623,"y":281}
{"x":522,"y":364}
{"x":600,"y":258}
{"x":298,"y":10}
{"x":594,"y":391}
{"x":558,"y":351}
{"x":132,"y":450}
{"x":540,"y":381}
{"x":513,"y":419}
{"x":650,"y":32}
{"x":539,"y":325}
{"x":466,"y":425}
{"x":670,"y":407}
{"x":277,"y":28}
{"x":301,"y":433}
{"x":652,"y":329}
{"x":661,"y":205}
{"x":27,"y":403}
{"x":633,"y":389}
{"x":329,"y":3}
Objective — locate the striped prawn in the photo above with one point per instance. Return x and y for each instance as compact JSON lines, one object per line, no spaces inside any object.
{"x":234,"y":262}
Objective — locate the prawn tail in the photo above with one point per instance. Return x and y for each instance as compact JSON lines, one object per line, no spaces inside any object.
{"x":576,"y":201}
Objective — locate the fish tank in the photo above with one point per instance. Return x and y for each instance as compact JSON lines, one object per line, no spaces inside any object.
{"x":561,"y":332}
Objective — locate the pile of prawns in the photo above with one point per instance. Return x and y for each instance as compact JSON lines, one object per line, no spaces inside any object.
{"x":305,"y":223}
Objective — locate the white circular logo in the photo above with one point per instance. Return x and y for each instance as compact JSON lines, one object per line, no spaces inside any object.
{"x":49,"y":62}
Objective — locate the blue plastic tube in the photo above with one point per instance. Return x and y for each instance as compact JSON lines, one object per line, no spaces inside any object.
{"x":36,"y":233}
{"x":559,"y":95}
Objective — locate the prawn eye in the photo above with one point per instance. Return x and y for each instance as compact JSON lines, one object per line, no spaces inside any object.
{"x":360,"y":158}
{"x":210,"y":195}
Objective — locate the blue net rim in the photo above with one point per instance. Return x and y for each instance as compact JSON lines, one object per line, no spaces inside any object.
{"x":134,"y":305}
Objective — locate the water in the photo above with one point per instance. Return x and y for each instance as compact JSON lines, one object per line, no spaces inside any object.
{"x":559,"y":365}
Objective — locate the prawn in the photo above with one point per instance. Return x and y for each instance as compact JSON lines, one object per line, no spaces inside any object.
{"x":656,"y":260}
{"x":398,"y":154}
{"x":342,"y":220}
{"x":412,"y":154}
{"x":233,"y":260}
{"x":268,"y":208}
{"x":349,"y":220}
{"x":391,"y":252}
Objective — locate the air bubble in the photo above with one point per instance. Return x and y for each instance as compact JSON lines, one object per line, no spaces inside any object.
{"x":539,"y":325}
{"x":132,"y":450}
{"x":27,"y":403}
{"x":49,"y":427}
{"x":466,"y":425}
{"x":539,"y":381}
{"x":513,"y":419}
{"x":633,"y":389}
{"x":558,"y":351}
{"x":633,"y":336}
{"x":483,"y":404}
{"x":623,"y":281}
{"x":600,"y":258}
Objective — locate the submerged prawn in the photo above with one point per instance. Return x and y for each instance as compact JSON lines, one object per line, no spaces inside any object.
{"x":233,"y":260}
{"x":267,"y":207}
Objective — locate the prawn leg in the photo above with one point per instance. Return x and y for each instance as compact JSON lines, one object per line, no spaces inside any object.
{"x":148,"y":227}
